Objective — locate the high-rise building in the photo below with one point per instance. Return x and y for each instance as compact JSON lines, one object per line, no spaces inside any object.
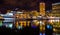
{"x":55,"y":10}
{"x":56,"y":13}
{"x":42,"y":8}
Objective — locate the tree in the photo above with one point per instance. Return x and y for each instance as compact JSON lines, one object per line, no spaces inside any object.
{"x":34,"y":13}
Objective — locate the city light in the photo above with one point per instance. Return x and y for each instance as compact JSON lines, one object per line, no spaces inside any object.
{"x":10,"y":25}
{"x":10,"y":14}
{"x":44,"y":18}
{"x":41,"y":34}
{"x":54,"y":29}
{"x":19,"y":12}
{"x":49,"y":27}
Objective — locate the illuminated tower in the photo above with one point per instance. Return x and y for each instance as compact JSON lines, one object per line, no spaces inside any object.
{"x":42,"y":8}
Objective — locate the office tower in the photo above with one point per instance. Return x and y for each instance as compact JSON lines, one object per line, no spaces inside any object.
{"x":56,"y":9}
{"x":56,"y":13}
{"x":42,"y":8}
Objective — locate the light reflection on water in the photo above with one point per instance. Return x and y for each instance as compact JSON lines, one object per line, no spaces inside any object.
{"x":10,"y":25}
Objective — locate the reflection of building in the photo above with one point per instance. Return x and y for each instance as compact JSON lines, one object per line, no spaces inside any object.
{"x":42,"y":8}
{"x":42,"y":13}
{"x":8,"y":19}
{"x":20,"y":16}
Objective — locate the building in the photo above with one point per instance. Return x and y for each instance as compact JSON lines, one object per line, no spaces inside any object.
{"x":42,"y":8}
{"x":20,"y":19}
{"x":55,"y":10}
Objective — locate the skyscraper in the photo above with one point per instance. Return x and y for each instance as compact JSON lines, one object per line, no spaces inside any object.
{"x":42,"y":8}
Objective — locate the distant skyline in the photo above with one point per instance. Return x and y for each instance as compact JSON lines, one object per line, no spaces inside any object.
{"x":25,"y":4}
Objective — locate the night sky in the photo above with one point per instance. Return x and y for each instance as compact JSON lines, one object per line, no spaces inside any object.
{"x":25,"y":4}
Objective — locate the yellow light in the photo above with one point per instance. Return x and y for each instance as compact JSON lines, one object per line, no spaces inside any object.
{"x":44,"y":23}
{"x":24,"y":23}
{"x":28,"y":23}
{"x":24,"y":15}
{"x":42,"y":8}
{"x":17,"y":16}
{"x":41,"y":28}
{"x":54,"y":29}
{"x":1,"y":17}
{"x":16,"y":24}
{"x":21,"y":16}
{"x":21,"y":23}
{"x":34,"y":13}
{"x":28,"y":16}
{"x":37,"y":23}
